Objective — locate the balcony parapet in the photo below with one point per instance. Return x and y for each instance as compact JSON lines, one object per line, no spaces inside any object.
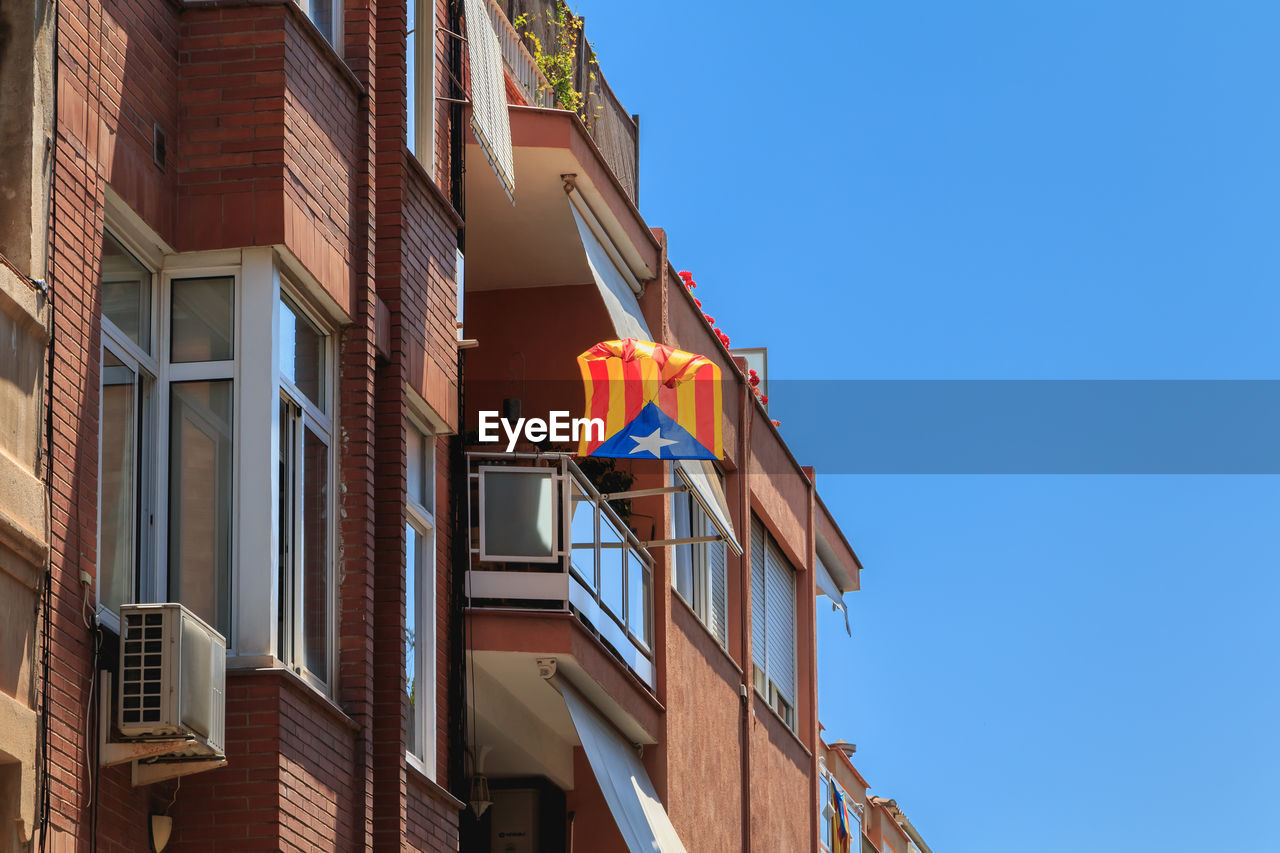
{"x":543,"y":538}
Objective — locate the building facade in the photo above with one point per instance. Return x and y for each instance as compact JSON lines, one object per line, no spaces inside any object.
{"x":244,"y":372}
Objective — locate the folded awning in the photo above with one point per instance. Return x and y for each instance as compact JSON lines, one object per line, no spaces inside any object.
{"x":634,"y":803}
{"x":616,"y":291}
{"x":704,"y":484}
{"x":828,"y":585}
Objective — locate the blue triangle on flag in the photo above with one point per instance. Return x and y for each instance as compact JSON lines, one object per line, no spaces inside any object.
{"x":653,"y":434}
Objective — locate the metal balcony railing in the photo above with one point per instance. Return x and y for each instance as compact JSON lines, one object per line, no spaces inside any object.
{"x":615,"y":131}
{"x":543,"y":538}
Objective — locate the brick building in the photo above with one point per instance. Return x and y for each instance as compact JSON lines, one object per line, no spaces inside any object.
{"x":240,"y":380}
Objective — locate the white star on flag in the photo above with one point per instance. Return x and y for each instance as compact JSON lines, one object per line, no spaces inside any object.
{"x":653,"y":443}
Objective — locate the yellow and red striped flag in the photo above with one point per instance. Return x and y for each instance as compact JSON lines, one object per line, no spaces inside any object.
{"x":655,"y":402}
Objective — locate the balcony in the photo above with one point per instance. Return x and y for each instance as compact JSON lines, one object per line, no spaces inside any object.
{"x":544,"y":539}
{"x":615,"y":131}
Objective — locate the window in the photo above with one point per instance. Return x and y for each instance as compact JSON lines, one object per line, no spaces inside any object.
{"x":420,"y":81}
{"x":126,"y":440}
{"x":420,"y":586}
{"x":305,"y":604}
{"x":327,"y":16}
{"x":773,"y":623}
{"x":700,"y":569}
{"x":165,"y":440}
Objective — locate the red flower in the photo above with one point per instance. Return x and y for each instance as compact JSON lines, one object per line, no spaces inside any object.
{"x":697,"y":301}
{"x":711,"y":320}
{"x":777,"y":423}
{"x":764,"y":398}
{"x":686,"y":275}
{"x":751,"y":370}
{"x":754,"y":380}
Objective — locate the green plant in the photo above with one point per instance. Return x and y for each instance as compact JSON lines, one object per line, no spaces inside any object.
{"x":556,"y":60}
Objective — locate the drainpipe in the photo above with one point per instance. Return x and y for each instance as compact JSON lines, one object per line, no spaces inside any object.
{"x":748,"y":685}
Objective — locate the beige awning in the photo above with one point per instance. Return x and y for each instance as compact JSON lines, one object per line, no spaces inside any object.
{"x":632,"y":800}
{"x":703,"y":480}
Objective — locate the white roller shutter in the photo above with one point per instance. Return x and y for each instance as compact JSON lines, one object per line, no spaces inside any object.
{"x":781,"y":598}
{"x":759,"y":630}
{"x":716,"y":568}
{"x":489,"y":117}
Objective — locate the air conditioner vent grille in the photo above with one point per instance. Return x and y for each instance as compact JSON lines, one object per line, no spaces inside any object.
{"x":142,"y":676}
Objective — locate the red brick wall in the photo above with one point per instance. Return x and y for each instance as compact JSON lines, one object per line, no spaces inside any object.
{"x":270,"y":140}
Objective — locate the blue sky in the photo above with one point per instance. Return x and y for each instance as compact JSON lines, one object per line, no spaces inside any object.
{"x":1000,"y":190}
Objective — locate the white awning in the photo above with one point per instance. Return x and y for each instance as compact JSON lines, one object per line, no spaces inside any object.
{"x":827,"y":584}
{"x":643,"y":821}
{"x":617,"y":293}
{"x":704,"y":484}
{"x":489,"y":118}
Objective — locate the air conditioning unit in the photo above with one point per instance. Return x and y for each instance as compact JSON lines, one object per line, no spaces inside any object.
{"x":170,"y":695}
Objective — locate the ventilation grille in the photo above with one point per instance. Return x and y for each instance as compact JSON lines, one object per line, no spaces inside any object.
{"x":142,"y":668}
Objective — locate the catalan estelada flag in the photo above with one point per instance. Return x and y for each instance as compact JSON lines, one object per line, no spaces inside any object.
{"x":655,"y":401}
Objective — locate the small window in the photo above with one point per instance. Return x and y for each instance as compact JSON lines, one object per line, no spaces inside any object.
{"x":420,"y":586}
{"x":126,"y":293}
{"x":305,"y":470}
{"x":201,"y":320}
{"x":302,"y":355}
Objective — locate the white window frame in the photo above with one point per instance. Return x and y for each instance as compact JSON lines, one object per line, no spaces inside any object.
{"x":305,"y":414}
{"x":151,"y":581}
{"x":764,"y":679}
{"x":420,"y":116}
{"x":826,"y":810}
{"x":702,"y":599}
{"x":423,"y":521}
{"x":147,"y":367}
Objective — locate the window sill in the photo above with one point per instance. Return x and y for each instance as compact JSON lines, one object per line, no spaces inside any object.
{"x":760,"y":700}
{"x":675,"y":593}
{"x":242,"y":667}
{"x":419,"y":776}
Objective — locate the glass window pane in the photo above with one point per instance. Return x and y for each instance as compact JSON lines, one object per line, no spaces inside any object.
{"x":117,"y":564}
{"x":201,"y":319}
{"x":612,"y":556}
{"x":412,"y":567}
{"x":321,"y":13}
{"x":518,"y":514}
{"x":411,"y":73}
{"x":284,"y":532}
{"x":315,"y":553}
{"x":582,"y":535}
{"x":302,"y":354}
{"x":682,"y":554}
{"x":420,"y":468}
{"x":200,"y":499}
{"x":413,"y":463}
{"x":639,"y":596}
{"x":126,"y":292}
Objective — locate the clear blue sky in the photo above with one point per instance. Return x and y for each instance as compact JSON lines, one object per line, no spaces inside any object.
{"x":989,"y":190}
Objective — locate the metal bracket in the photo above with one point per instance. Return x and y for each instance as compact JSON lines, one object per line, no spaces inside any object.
{"x":111,"y":753}
{"x":643,"y":493}
{"x":147,"y":772}
{"x":547,"y":668}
